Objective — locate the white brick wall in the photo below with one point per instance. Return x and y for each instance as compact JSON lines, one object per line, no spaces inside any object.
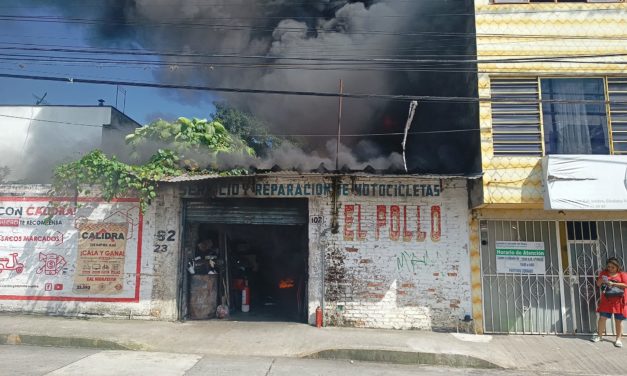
{"x":384,"y":282}
{"x":396,"y":279}
{"x":392,"y":282}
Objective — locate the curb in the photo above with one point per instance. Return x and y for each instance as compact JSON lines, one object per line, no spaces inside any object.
{"x":80,"y":342}
{"x":362,"y":355}
{"x":405,"y":357}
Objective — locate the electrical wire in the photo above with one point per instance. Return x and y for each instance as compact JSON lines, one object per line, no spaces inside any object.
{"x":502,"y":11}
{"x":260,"y":135}
{"x":310,"y":59}
{"x":231,"y":27}
{"x":389,"y":97}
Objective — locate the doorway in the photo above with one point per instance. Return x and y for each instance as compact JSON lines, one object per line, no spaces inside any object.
{"x":538,"y":276}
{"x":261,"y":250}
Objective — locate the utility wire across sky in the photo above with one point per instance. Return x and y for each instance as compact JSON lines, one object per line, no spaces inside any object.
{"x":391,"y":97}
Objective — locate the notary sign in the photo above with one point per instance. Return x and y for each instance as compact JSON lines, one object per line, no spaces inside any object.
{"x":520,"y":257}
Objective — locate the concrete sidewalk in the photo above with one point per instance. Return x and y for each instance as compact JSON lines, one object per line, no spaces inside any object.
{"x":551,"y":354}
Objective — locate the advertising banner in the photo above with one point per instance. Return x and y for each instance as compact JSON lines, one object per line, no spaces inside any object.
{"x":100,"y":259}
{"x":70,"y":249}
{"x":520,"y":257}
{"x":585,"y":182}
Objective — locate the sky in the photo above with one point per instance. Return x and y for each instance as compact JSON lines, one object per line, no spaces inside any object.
{"x":142,"y":104}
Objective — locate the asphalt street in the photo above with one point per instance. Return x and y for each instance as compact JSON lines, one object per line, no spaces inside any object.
{"x":33,"y":360}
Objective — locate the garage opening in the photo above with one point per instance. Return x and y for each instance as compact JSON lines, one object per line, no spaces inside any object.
{"x":249,"y":261}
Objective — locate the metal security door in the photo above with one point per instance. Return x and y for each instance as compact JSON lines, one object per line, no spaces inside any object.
{"x":579,"y":285}
{"x":590,"y":244}
{"x":518,"y":302}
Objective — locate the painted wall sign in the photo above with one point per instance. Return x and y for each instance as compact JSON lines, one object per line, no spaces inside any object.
{"x":310,"y":188}
{"x":100,"y":259}
{"x":520,"y":257}
{"x":394,"y":222}
{"x":302,"y":189}
{"x":67,"y":249}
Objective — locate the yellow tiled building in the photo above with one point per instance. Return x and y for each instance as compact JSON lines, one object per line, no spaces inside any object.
{"x":552,"y":79}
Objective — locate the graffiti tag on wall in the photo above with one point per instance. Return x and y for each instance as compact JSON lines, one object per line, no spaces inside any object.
{"x":411,"y":262}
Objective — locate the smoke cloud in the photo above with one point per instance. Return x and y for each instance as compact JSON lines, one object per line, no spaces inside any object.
{"x":291,"y":36}
{"x":291,"y":157}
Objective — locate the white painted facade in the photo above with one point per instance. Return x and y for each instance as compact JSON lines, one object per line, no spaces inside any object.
{"x":153,"y":297}
{"x":35,"y":139}
{"x":373,"y":261}
{"x":380,"y":272}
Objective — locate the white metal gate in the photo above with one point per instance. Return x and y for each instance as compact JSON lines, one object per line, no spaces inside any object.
{"x":521,"y":303}
{"x":564,"y":298}
{"x":590,"y":244}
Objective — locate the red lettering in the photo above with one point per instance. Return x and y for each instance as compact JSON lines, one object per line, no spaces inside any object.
{"x":50,"y":210}
{"x":361,"y":234}
{"x":349,"y":234}
{"x":407,"y":235}
{"x":436,"y":223}
{"x":395,"y":228}
{"x":381,"y":219}
{"x":420,"y":235}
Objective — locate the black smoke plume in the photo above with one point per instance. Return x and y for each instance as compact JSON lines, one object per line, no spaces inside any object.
{"x":287,"y":44}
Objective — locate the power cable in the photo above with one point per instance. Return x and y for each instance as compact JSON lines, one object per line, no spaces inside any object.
{"x":308,"y":59}
{"x":390,"y":97}
{"x":54,"y":19}
{"x":260,"y":135}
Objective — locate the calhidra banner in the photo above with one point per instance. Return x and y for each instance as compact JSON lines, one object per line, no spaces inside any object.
{"x":101,"y":256}
{"x":70,"y":249}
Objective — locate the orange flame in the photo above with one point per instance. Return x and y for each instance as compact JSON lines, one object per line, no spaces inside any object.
{"x":287,"y":283}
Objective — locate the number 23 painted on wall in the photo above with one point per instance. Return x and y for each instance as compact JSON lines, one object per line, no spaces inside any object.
{"x":161,"y":236}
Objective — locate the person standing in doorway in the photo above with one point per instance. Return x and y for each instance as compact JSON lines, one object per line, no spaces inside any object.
{"x":613,"y":282}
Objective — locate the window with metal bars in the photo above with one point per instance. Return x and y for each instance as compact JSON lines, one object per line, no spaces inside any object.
{"x":571,"y":118}
{"x":516,"y":117}
{"x":617,"y":96}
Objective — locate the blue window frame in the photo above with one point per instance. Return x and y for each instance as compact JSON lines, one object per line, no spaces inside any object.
{"x":574,"y":116}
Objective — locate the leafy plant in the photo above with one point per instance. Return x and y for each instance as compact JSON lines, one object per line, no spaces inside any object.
{"x":247,"y":127}
{"x":115,"y":178}
{"x":196,"y":141}
{"x":182,"y":146}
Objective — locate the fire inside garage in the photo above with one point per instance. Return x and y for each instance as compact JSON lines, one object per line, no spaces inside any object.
{"x":250,"y":256}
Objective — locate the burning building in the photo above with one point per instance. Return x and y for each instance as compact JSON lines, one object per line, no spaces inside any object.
{"x":369,"y":243}
{"x":386,"y":251}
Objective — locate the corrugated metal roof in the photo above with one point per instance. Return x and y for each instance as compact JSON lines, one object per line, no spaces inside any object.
{"x":204,"y":177}
{"x":185,"y":177}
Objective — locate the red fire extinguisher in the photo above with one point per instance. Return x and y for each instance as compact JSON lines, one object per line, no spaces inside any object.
{"x":318,"y":317}
{"x":246,"y":298}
